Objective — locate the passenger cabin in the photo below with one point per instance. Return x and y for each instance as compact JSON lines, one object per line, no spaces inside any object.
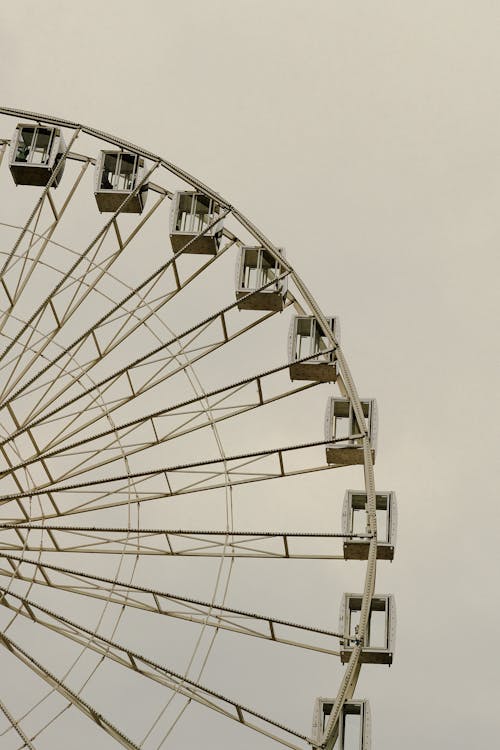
{"x":354,"y":728}
{"x":354,"y":521}
{"x":35,"y":152}
{"x":191,"y":214}
{"x":341,"y":427}
{"x":117,"y":174}
{"x":380,"y":635}
{"x":306,"y":339}
{"x":255,"y":268}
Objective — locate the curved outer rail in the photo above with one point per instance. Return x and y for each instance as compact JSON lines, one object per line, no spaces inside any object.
{"x":351,"y":672}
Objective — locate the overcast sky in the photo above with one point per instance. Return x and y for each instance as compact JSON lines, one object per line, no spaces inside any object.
{"x":364,"y":138}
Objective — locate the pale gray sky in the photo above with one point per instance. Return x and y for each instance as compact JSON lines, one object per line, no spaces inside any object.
{"x":364,"y":138}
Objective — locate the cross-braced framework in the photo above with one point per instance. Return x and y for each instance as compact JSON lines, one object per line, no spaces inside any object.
{"x":144,"y":410}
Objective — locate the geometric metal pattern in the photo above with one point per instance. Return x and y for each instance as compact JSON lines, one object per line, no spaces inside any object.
{"x":144,"y":409}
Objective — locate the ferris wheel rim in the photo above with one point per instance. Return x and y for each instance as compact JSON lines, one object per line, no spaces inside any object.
{"x":351,"y":672}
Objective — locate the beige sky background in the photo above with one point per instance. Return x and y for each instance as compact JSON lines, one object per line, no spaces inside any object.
{"x":364,"y":138}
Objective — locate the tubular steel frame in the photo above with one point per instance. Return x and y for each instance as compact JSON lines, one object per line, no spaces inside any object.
{"x":223,"y":472}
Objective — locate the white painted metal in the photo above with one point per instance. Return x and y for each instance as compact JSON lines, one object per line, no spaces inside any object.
{"x":116,"y":175}
{"x":354,"y":727}
{"x":378,"y":641}
{"x":354,"y":508}
{"x":311,"y":355}
{"x":34,"y":472}
{"x":193,"y":212}
{"x":256,"y":267}
{"x":343,"y":430}
{"x":35,"y":152}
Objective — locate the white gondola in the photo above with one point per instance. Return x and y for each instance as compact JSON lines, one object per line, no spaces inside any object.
{"x":192,"y":213}
{"x":306,"y":339}
{"x":35,"y":152}
{"x":342,"y":427}
{"x":354,"y":728}
{"x":354,"y":522}
{"x":117,"y":174}
{"x":380,"y":637}
{"x":256,"y":267}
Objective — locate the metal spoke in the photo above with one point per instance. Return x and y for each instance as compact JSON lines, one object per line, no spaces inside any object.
{"x":173,"y":481}
{"x":91,"y":333}
{"x":171,"y":605}
{"x":140,"y":664}
{"x":85,"y":399}
{"x":46,"y":303}
{"x":16,"y":727}
{"x":43,"y":239}
{"x":39,"y":203}
{"x":65,"y":691}
{"x":84,"y":281}
{"x":171,"y":542}
{"x":126,"y":373}
{"x":190,"y":422}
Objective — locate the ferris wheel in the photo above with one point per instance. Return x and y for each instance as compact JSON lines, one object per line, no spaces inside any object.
{"x":173,"y":405}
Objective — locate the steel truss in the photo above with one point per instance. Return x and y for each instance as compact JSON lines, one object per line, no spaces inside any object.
{"x":80,"y":410}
